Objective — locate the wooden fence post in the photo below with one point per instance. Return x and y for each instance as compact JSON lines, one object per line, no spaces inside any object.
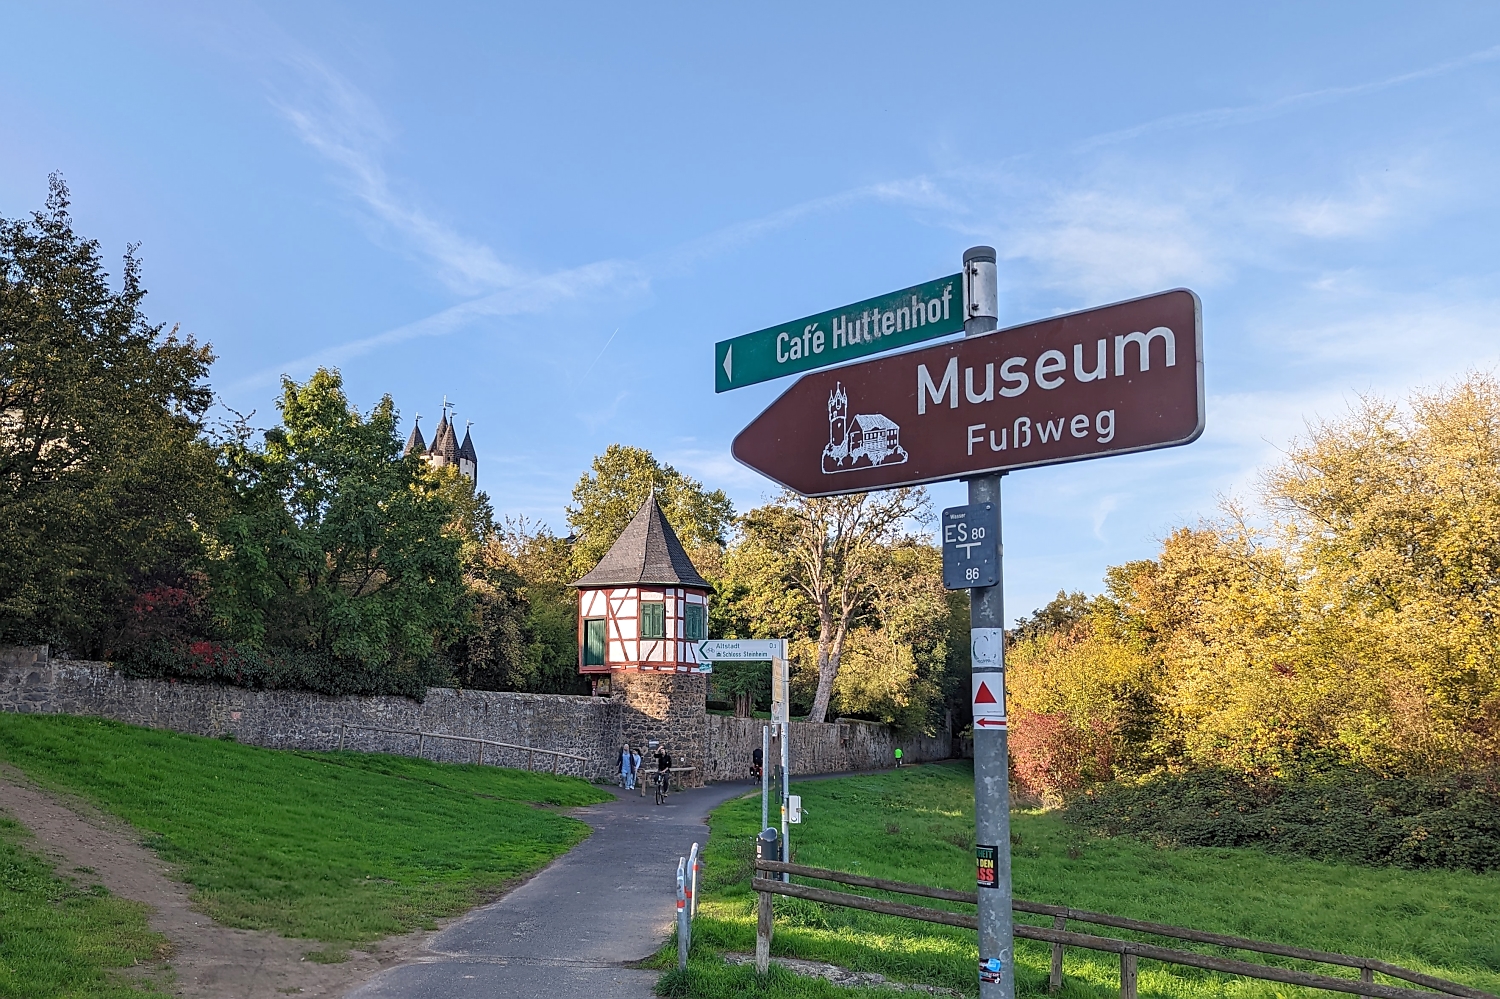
{"x":1054,"y":982}
{"x":763,"y":933}
{"x":1127,"y":976}
{"x":1366,"y":975}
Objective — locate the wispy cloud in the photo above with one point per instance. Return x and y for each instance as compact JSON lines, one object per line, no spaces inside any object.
{"x":338,"y":122}
{"x":1244,"y":114}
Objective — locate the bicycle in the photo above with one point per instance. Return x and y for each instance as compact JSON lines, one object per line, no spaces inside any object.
{"x":663,"y":785}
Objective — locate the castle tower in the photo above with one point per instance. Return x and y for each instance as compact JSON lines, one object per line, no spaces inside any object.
{"x":838,"y":420}
{"x":445,"y":449}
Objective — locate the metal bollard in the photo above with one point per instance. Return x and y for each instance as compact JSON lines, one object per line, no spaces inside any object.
{"x":693,"y":864}
{"x":683,"y":926}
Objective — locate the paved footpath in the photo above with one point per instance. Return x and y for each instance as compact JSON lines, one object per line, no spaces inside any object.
{"x":570,"y":931}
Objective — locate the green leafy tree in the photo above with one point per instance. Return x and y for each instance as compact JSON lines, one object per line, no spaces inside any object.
{"x":837,"y":550}
{"x":105,"y":479}
{"x":621,"y":478}
{"x":337,"y":543}
{"x":540,"y":563}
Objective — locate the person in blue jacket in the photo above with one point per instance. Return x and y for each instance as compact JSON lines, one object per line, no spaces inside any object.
{"x":627,"y":767}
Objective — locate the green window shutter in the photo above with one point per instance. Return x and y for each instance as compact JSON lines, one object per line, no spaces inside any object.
{"x":593,"y":642}
{"x":696,"y":623}
{"x":653,"y":619}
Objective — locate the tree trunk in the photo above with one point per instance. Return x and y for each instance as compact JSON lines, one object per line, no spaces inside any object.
{"x":742,"y":705}
{"x":830,"y":651}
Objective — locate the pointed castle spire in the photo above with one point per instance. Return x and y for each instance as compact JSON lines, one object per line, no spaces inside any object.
{"x":415,"y":444}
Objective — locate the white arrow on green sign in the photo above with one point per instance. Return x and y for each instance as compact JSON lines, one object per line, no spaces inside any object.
{"x":911,"y":315}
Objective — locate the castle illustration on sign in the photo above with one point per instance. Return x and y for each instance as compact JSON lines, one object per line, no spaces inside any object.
{"x":865,"y":441}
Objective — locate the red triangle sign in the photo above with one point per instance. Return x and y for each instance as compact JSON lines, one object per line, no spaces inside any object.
{"x":983,"y":695}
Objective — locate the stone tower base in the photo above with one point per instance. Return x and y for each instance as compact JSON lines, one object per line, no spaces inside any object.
{"x":668,"y":708}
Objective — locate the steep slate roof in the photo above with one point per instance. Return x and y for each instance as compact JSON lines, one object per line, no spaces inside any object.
{"x":445,"y":442}
{"x":415,"y":444}
{"x":466,"y":449}
{"x":646,"y":553}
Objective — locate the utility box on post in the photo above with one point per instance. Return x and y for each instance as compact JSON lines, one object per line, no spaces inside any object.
{"x":768,"y":844}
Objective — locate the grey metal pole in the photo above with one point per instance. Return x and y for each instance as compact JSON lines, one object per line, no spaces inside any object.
{"x":997,"y":977}
{"x":765,"y":776}
{"x":786,"y":790}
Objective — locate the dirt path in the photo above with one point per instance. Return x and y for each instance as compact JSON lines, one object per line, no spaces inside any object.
{"x":209,"y":961}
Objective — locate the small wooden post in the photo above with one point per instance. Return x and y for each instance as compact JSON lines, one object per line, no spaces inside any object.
{"x":1054,"y":983}
{"x":763,"y":933}
{"x":420,"y":737}
{"x":1367,"y":975}
{"x":343,"y":731}
{"x":1127,"y":976}
{"x":530,"y":757}
{"x":481,"y":754}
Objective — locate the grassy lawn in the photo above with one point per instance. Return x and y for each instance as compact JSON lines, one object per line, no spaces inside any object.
{"x":59,"y":939}
{"x":916,"y":825}
{"x":340,"y":847}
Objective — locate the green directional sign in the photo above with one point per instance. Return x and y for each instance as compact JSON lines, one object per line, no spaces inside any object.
{"x":921,"y":312}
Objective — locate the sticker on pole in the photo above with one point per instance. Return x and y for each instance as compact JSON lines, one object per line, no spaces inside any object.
{"x":988,"y":700}
{"x":990,"y":969}
{"x":985,"y":872}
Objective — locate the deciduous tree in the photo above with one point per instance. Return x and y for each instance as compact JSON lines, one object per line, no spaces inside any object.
{"x":836,"y":550}
{"x":621,"y":478}
{"x":105,"y":480}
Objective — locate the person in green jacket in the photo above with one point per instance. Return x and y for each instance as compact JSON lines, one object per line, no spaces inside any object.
{"x":898,"y":756}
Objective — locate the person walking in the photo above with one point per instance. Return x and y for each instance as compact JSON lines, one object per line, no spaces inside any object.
{"x":898,"y":756}
{"x":627,"y":767}
{"x":635,"y":768}
{"x":757,"y":760}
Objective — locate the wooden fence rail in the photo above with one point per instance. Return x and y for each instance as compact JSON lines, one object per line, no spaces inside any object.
{"x":530,"y":751}
{"x":1129,"y":950}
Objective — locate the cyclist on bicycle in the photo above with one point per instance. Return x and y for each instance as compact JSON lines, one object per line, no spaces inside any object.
{"x":663,"y":773}
{"x":757,"y":760}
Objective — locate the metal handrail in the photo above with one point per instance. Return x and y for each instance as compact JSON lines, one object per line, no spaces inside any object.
{"x":422,"y":736}
{"x":1128,"y":950}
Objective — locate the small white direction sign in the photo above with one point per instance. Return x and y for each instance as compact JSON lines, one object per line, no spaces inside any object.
{"x":743,"y":650}
{"x":989,"y":699}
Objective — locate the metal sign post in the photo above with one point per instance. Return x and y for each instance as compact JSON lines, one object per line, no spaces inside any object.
{"x":765,"y":775}
{"x":1117,"y":379}
{"x":782,"y":716}
{"x":997,"y":976}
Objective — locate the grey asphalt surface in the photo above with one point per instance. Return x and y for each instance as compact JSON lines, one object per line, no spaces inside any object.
{"x":570,"y":931}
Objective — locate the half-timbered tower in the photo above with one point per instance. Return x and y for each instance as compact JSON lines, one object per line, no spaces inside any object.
{"x":643,"y":607}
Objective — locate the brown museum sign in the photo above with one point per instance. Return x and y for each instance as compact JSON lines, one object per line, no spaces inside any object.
{"x":1119,"y":378}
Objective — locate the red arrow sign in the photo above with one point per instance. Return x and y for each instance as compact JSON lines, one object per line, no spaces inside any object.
{"x":990,"y":722}
{"x":1120,"y":378}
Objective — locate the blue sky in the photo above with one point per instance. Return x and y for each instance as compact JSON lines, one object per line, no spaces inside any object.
{"x":549,"y":213}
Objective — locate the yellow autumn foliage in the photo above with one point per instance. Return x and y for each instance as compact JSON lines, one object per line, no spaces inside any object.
{"x":1360,"y":623}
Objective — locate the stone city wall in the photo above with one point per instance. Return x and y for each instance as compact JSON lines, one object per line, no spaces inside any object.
{"x":287,"y":719}
{"x":820,"y":748}
{"x":643,"y":707}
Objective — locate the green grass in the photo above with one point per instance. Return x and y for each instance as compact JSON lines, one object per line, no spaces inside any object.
{"x":340,"y":847}
{"x":60,"y":939}
{"x":916,"y":825}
